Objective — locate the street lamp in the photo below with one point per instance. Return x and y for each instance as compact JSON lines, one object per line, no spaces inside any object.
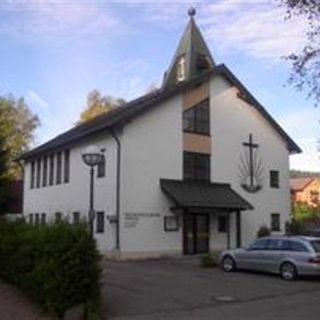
{"x":92,"y":157}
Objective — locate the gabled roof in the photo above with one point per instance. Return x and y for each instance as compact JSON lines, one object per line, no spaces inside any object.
{"x":190,"y":46}
{"x":120,"y":116}
{"x":298,"y":184}
{"x":203,"y":194}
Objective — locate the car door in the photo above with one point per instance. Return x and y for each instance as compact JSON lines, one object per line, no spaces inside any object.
{"x":252,"y":257}
{"x":273,"y":255}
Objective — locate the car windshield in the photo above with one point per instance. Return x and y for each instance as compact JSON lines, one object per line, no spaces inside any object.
{"x":316,"y":245}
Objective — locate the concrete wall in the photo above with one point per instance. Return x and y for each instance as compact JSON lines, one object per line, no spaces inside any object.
{"x":232,"y":120}
{"x":74,"y":196}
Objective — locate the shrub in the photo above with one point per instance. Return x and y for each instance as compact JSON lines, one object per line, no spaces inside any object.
{"x":210,"y":260}
{"x":263,"y":231}
{"x":295,"y":227}
{"x":57,"y":264}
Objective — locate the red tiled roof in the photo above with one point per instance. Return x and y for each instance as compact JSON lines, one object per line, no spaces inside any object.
{"x":298,"y":184}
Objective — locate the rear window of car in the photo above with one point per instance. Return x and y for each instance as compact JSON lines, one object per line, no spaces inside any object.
{"x":296,"y":246}
{"x":315,"y":245}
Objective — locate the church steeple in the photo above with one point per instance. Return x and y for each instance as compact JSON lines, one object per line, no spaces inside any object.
{"x":192,"y":56}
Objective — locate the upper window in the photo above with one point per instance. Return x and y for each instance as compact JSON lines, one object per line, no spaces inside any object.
{"x":197,"y":119}
{"x":274,"y":179}
{"x":101,"y":172}
{"x":38,"y":172}
{"x":196,"y":166}
{"x":45,"y":171}
{"x":181,"y":69}
{"x":100,"y":222}
{"x":59,"y":167}
{"x":32,"y":174}
{"x":51,"y":169}
{"x":275,"y":222}
{"x":202,"y":62}
{"x":66,"y":166}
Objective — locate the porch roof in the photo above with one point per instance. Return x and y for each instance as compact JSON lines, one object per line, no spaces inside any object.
{"x":203,"y":195}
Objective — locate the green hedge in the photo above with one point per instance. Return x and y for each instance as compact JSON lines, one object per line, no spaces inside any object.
{"x":57,"y":264}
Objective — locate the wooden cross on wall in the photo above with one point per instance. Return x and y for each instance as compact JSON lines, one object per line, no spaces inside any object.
{"x":251,"y":147}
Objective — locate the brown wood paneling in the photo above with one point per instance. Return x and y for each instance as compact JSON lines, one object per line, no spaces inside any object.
{"x":195,"y":95}
{"x":196,"y":143}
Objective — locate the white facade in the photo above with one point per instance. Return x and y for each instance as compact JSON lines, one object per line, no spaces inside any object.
{"x":152,"y":148}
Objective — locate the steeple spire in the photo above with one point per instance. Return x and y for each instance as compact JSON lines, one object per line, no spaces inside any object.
{"x":192,"y":56}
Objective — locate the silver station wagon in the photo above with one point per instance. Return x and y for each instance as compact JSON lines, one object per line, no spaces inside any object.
{"x":289,"y":256}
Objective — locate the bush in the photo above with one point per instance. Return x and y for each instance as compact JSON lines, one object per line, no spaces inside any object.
{"x":57,"y":265}
{"x":210,"y":260}
{"x":263,"y":231}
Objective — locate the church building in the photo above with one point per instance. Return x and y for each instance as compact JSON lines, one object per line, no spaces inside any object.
{"x":194,"y":166}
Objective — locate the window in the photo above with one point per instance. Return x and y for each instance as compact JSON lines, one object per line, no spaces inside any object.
{"x":101,"y":172}
{"x":315,"y":245}
{"x":289,"y":245}
{"x":274,"y":179}
{"x":202,"y":62}
{"x":59,"y":167}
{"x":45,"y":171}
{"x":66,"y":166}
{"x":181,"y":69}
{"x":261,"y":244}
{"x":43,"y":219}
{"x":100,"y":222}
{"x":38,"y":172}
{"x":76,"y":217}
{"x":58,"y":216}
{"x":275,"y":222}
{"x":51,"y":172}
{"x":275,"y":244}
{"x":197,"y":118}
{"x":32,"y":172}
{"x":31,"y":218}
{"x":196,"y":166}
{"x":222,"y":223}
{"x":37,"y":218}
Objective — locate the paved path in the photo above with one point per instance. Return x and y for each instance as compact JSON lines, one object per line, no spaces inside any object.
{"x":178,"y":289}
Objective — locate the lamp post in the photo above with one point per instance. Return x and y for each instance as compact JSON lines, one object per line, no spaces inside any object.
{"x":92,"y":157}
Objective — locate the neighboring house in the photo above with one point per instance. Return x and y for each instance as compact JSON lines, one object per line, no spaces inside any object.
{"x":194,"y":166}
{"x":305,"y":190}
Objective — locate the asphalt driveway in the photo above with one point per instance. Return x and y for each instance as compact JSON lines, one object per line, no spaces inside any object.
{"x":181,"y":289}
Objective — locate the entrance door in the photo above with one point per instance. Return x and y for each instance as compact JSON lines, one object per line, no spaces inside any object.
{"x":196,"y":233}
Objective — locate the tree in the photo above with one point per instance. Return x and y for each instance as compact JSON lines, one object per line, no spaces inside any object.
{"x":98,"y":104}
{"x":17,"y":124}
{"x":4,"y":193}
{"x":305,"y":65}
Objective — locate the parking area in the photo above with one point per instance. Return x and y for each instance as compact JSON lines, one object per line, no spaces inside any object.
{"x":181,"y":289}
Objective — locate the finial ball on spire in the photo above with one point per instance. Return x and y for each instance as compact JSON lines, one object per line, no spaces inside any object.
{"x":191,"y":11}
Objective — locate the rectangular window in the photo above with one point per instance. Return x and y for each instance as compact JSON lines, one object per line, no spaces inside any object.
{"x":51,"y":169}
{"x":66,"y":166}
{"x":38,"y":172}
{"x":45,"y":171}
{"x":196,"y":166}
{"x":31,"y":218}
{"x":101,"y":172}
{"x":275,"y":222}
{"x":59,"y":167}
{"x":58,"y":216}
{"x":197,"y":118}
{"x":43,"y":219}
{"x":37,"y":218}
{"x":274,"y":179}
{"x":222,"y":224}
{"x":32,"y":172}
{"x":100,"y":222}
{"x":76,"y":217}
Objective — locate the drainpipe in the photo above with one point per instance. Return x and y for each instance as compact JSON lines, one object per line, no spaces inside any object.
{"x":117,"y":140}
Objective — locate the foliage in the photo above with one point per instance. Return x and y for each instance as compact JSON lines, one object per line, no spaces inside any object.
{"x":210,"y":260}
{"x":306,"y":63}
{"x":295,"y":227}
{"x":98,"y":104}
{"x":57,"y":264}
{"x":263,"y":231}
{"x":301,"y":210}
{"x":4,"y":193}
{"x":17,"y":124}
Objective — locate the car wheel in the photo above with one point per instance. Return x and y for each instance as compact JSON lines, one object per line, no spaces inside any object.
{"x":288,"y":271}
{"x":228,"y":264}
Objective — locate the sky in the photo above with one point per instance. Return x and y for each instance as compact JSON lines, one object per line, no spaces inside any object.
{"x":53,"y":53}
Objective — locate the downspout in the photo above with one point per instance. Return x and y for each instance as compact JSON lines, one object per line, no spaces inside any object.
{"x":117,"y":140}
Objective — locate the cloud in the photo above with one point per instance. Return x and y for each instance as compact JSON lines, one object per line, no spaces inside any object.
{"x":33,"y":98}
{"x":42,"y":20}
{"x":257,"y":29}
